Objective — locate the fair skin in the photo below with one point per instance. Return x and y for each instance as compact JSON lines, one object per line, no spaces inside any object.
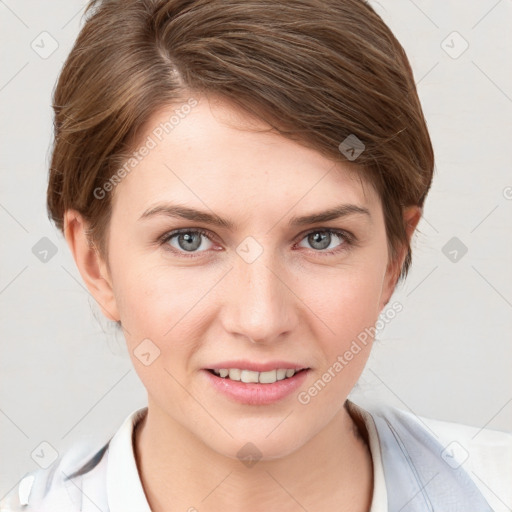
{"x":294,"y":303}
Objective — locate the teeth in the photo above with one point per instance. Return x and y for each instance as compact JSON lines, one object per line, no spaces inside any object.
{"x":235,"y":374}
{"x":268,"y":377}
{"x":248,"y":376}
{"x":257,"y":377}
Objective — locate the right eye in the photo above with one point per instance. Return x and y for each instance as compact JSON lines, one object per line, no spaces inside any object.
{"x":186,"y":240}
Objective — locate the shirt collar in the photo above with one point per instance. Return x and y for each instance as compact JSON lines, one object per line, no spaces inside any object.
{"x":379,"y":494}
{"x":124,"y":488}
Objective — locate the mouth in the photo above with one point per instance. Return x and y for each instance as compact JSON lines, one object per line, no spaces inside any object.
{"x":251,"y":382}
{"x":251,"y":376}
{"x":252,"y":387}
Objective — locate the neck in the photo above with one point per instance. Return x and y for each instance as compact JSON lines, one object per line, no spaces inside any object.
{"x":178,"y":472}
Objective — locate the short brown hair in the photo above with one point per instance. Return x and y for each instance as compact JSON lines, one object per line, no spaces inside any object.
{"x":317,"y":71}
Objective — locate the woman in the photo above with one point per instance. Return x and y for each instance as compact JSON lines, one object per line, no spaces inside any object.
{"x":238,"y":183}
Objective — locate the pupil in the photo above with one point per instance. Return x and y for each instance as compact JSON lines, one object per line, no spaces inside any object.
{"x":188,"y":238}
{"x":322,"y":238}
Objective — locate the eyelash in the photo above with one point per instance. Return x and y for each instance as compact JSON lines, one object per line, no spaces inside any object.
{"x":349,"y":240}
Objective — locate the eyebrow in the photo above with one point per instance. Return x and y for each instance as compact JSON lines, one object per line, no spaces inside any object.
{"x":184,"y":212}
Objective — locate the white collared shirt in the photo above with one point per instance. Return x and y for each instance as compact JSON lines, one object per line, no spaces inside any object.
{"x":114,"y":484}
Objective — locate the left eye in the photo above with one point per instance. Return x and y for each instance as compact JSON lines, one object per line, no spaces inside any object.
{"x":190,"y":241}
{"x":321,"y":239}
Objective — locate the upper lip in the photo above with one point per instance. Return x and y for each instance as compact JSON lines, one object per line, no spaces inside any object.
{"x":257,"y":367}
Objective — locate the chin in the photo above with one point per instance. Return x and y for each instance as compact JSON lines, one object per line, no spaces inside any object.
{"x":258,"y":442}
{"x":249,"y":452}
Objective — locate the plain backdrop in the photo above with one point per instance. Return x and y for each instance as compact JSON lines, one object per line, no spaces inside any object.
{"x":65,"y":373}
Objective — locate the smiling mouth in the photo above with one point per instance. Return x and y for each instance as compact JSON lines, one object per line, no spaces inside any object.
{"x":249,"y":376}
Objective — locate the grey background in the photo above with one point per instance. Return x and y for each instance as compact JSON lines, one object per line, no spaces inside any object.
{"x":65,"y":374}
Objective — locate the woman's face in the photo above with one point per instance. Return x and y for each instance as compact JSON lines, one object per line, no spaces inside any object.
{"x":259,"y":290}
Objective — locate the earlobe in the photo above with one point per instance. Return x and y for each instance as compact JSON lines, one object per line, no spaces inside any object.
{"x":91,"y":266}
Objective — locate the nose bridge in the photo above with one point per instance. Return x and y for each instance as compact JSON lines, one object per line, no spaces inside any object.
{"x":261,"y":305}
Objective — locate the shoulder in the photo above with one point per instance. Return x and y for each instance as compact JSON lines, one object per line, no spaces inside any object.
{"x":60,"y":487}
{"x":483,"y":454}
{"x":78,"y":480}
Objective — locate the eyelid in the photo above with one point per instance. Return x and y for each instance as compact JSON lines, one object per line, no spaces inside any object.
{"x":165,"y":237}
{"x":324,"y":229}
{"x":349,"y":240}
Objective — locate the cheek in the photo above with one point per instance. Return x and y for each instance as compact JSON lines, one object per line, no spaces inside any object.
{"x":149,"y":293}
{"x":152,"y":301}
{"x":350,"y":312}
{"x":156,"y":308}
{"x":154,"y":297}
{"x":349,"y":308}
{"x":347,"y":298}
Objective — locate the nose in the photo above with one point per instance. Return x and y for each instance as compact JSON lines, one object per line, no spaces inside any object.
{"x":257,"y":303}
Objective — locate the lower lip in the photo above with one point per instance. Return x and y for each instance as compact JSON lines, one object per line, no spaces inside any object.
{"x":252,"y":393}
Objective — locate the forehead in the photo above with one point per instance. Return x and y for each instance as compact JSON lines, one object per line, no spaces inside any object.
{"x":213,"y":153}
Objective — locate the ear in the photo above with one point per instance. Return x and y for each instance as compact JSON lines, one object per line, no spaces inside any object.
{"x":411,"y":215}
{"x":91,"y":266}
